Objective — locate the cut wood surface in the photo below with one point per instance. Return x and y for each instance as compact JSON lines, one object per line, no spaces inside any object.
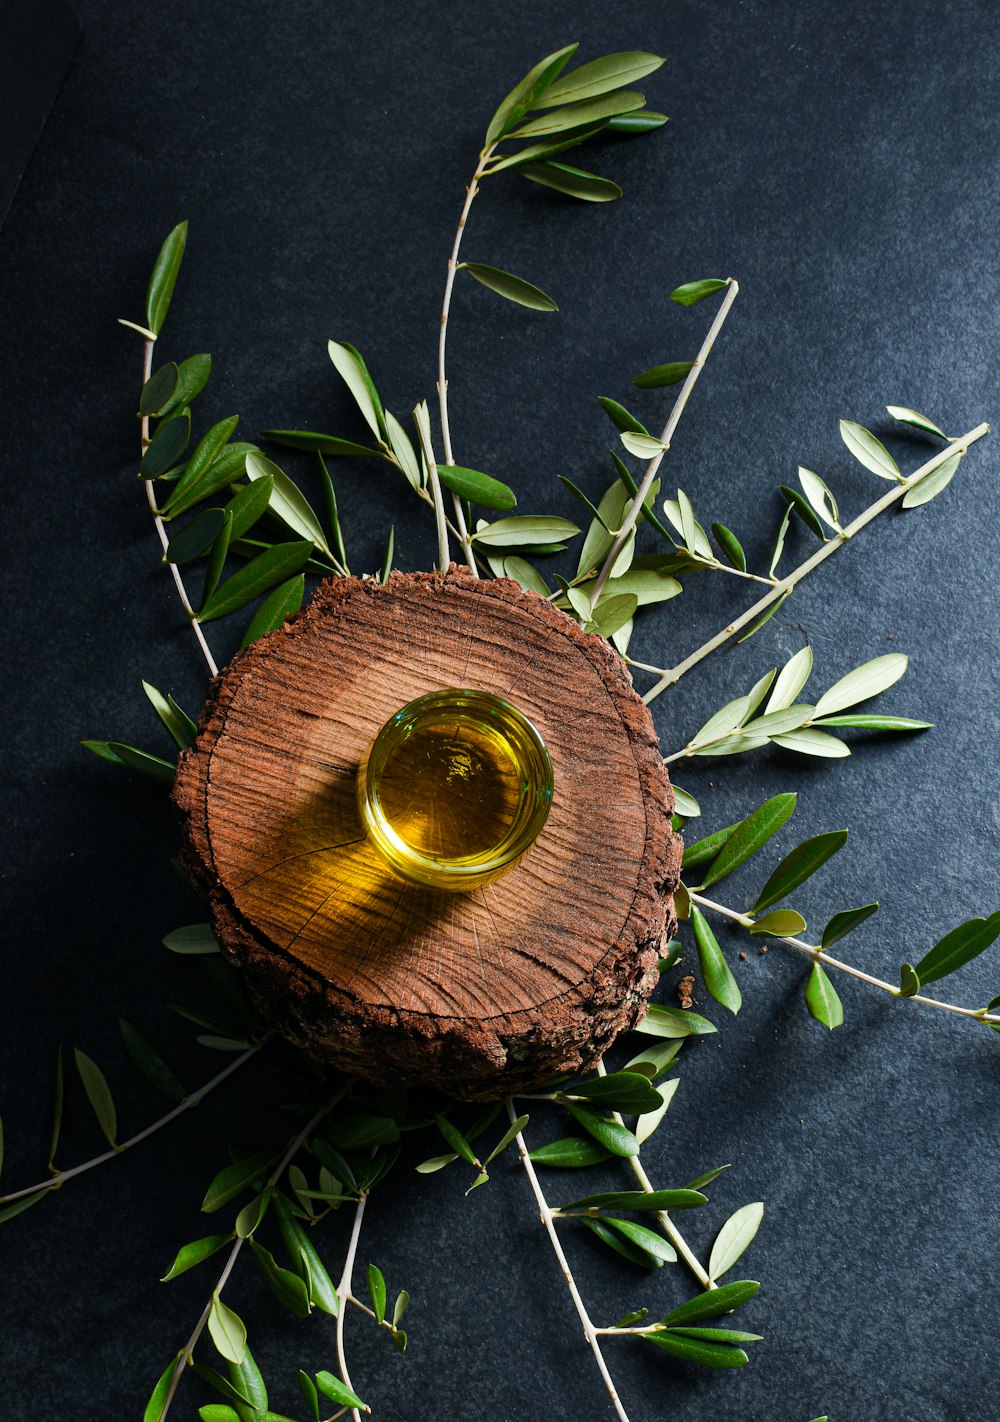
{"x":479,"y":993}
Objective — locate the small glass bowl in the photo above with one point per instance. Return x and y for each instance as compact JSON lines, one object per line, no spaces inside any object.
{"x":454,"y":789}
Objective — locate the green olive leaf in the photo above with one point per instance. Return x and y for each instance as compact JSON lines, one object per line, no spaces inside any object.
{"x":573,"y":182}
{"x":514,"y":288}
{"x":798,"y":866}
{"x":869,"y":451}
{"x":715,"y":971}
{"x":693,"y":291}
{"x":914,"y":418}
{"x":659,"y":376}
{"x":258,"y":576}
{"x":525,"y":94}
{"x":161,"y":283}
{"x":600,"y":76}
{"x":478,"y":488}
{"x":569,"y":116}
{"x":822,"y":1000}
{"x":749,"y":836}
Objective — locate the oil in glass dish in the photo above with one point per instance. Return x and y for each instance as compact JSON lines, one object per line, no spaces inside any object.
{"x":455,"y":788}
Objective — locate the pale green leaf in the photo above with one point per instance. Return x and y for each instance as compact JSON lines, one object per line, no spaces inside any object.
{"x":791,"y":679}
{"x":866,"y":681}
{"x":810,"y":742}
{"x":685,"y":804}
{"x":287,"y":502}
{"x":914,"y":418}
{"x":524,"y":573}
{"x":673,"y":1022}
{"x":734,"y":1238}
{"x":930,"y":485}
{"x":820,"y":497}
{"x":227,"y":1331}
{"x":195,"y":938}
{"x":349,"y":369}
{"x":525,"y":530}
{"x":650,"y":1120}
{"x":869,"y":451}
{"x":402,"y":447}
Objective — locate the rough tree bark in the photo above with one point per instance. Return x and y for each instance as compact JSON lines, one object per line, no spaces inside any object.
{"x":480,"y":993}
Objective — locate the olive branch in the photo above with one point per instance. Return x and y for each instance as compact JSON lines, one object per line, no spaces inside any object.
{"x":244,"y":508}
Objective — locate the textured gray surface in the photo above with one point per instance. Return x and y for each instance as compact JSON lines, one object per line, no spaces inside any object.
{"x":843,"y":166}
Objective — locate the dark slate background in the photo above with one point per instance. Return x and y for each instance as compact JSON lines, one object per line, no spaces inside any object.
{"x":841,"y":161}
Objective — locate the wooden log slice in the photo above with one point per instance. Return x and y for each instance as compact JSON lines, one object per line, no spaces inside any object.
{"x":478,"y":993}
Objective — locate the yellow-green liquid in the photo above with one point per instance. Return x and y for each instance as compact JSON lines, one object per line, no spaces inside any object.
{"x":454,"y":789}
{"x":451,"y":790}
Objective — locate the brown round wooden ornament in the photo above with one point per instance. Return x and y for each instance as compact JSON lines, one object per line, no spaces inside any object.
{"x":481,"y":992}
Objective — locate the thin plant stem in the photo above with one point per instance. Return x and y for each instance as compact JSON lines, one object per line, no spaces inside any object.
{"x":61,"y":1176}
{"x":184,"y":1356}
{"x":819,"y":956}
{"x":669,"y":1228}
{"x":785,"y":585}
{"x":147,"y":365}
{"x":546,"y":1215}
{"x":442,"y":380}
{"x":345,"y":1292}
{"x":443,"y":558}
{"x":621,"y":538}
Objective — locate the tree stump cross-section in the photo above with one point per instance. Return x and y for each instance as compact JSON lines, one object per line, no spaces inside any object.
{"x":479,"y":993}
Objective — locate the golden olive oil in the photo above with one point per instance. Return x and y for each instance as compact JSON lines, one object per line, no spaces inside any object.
{"x":455,"y":788}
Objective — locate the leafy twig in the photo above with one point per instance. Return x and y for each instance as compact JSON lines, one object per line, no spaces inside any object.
{"x":189,"y":1101}
{"x":442,"y":380}
{"x":423,"y":429}
{"x":184,"y":1357}
{"x":545,"y":1214}
{"x":630,"y":520}
{"x":785,"y":585}
{"x":147,"y":365}
{"x":669,"y":1228}
{"x":344,"y":1293}
{"x":819,"y":956}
